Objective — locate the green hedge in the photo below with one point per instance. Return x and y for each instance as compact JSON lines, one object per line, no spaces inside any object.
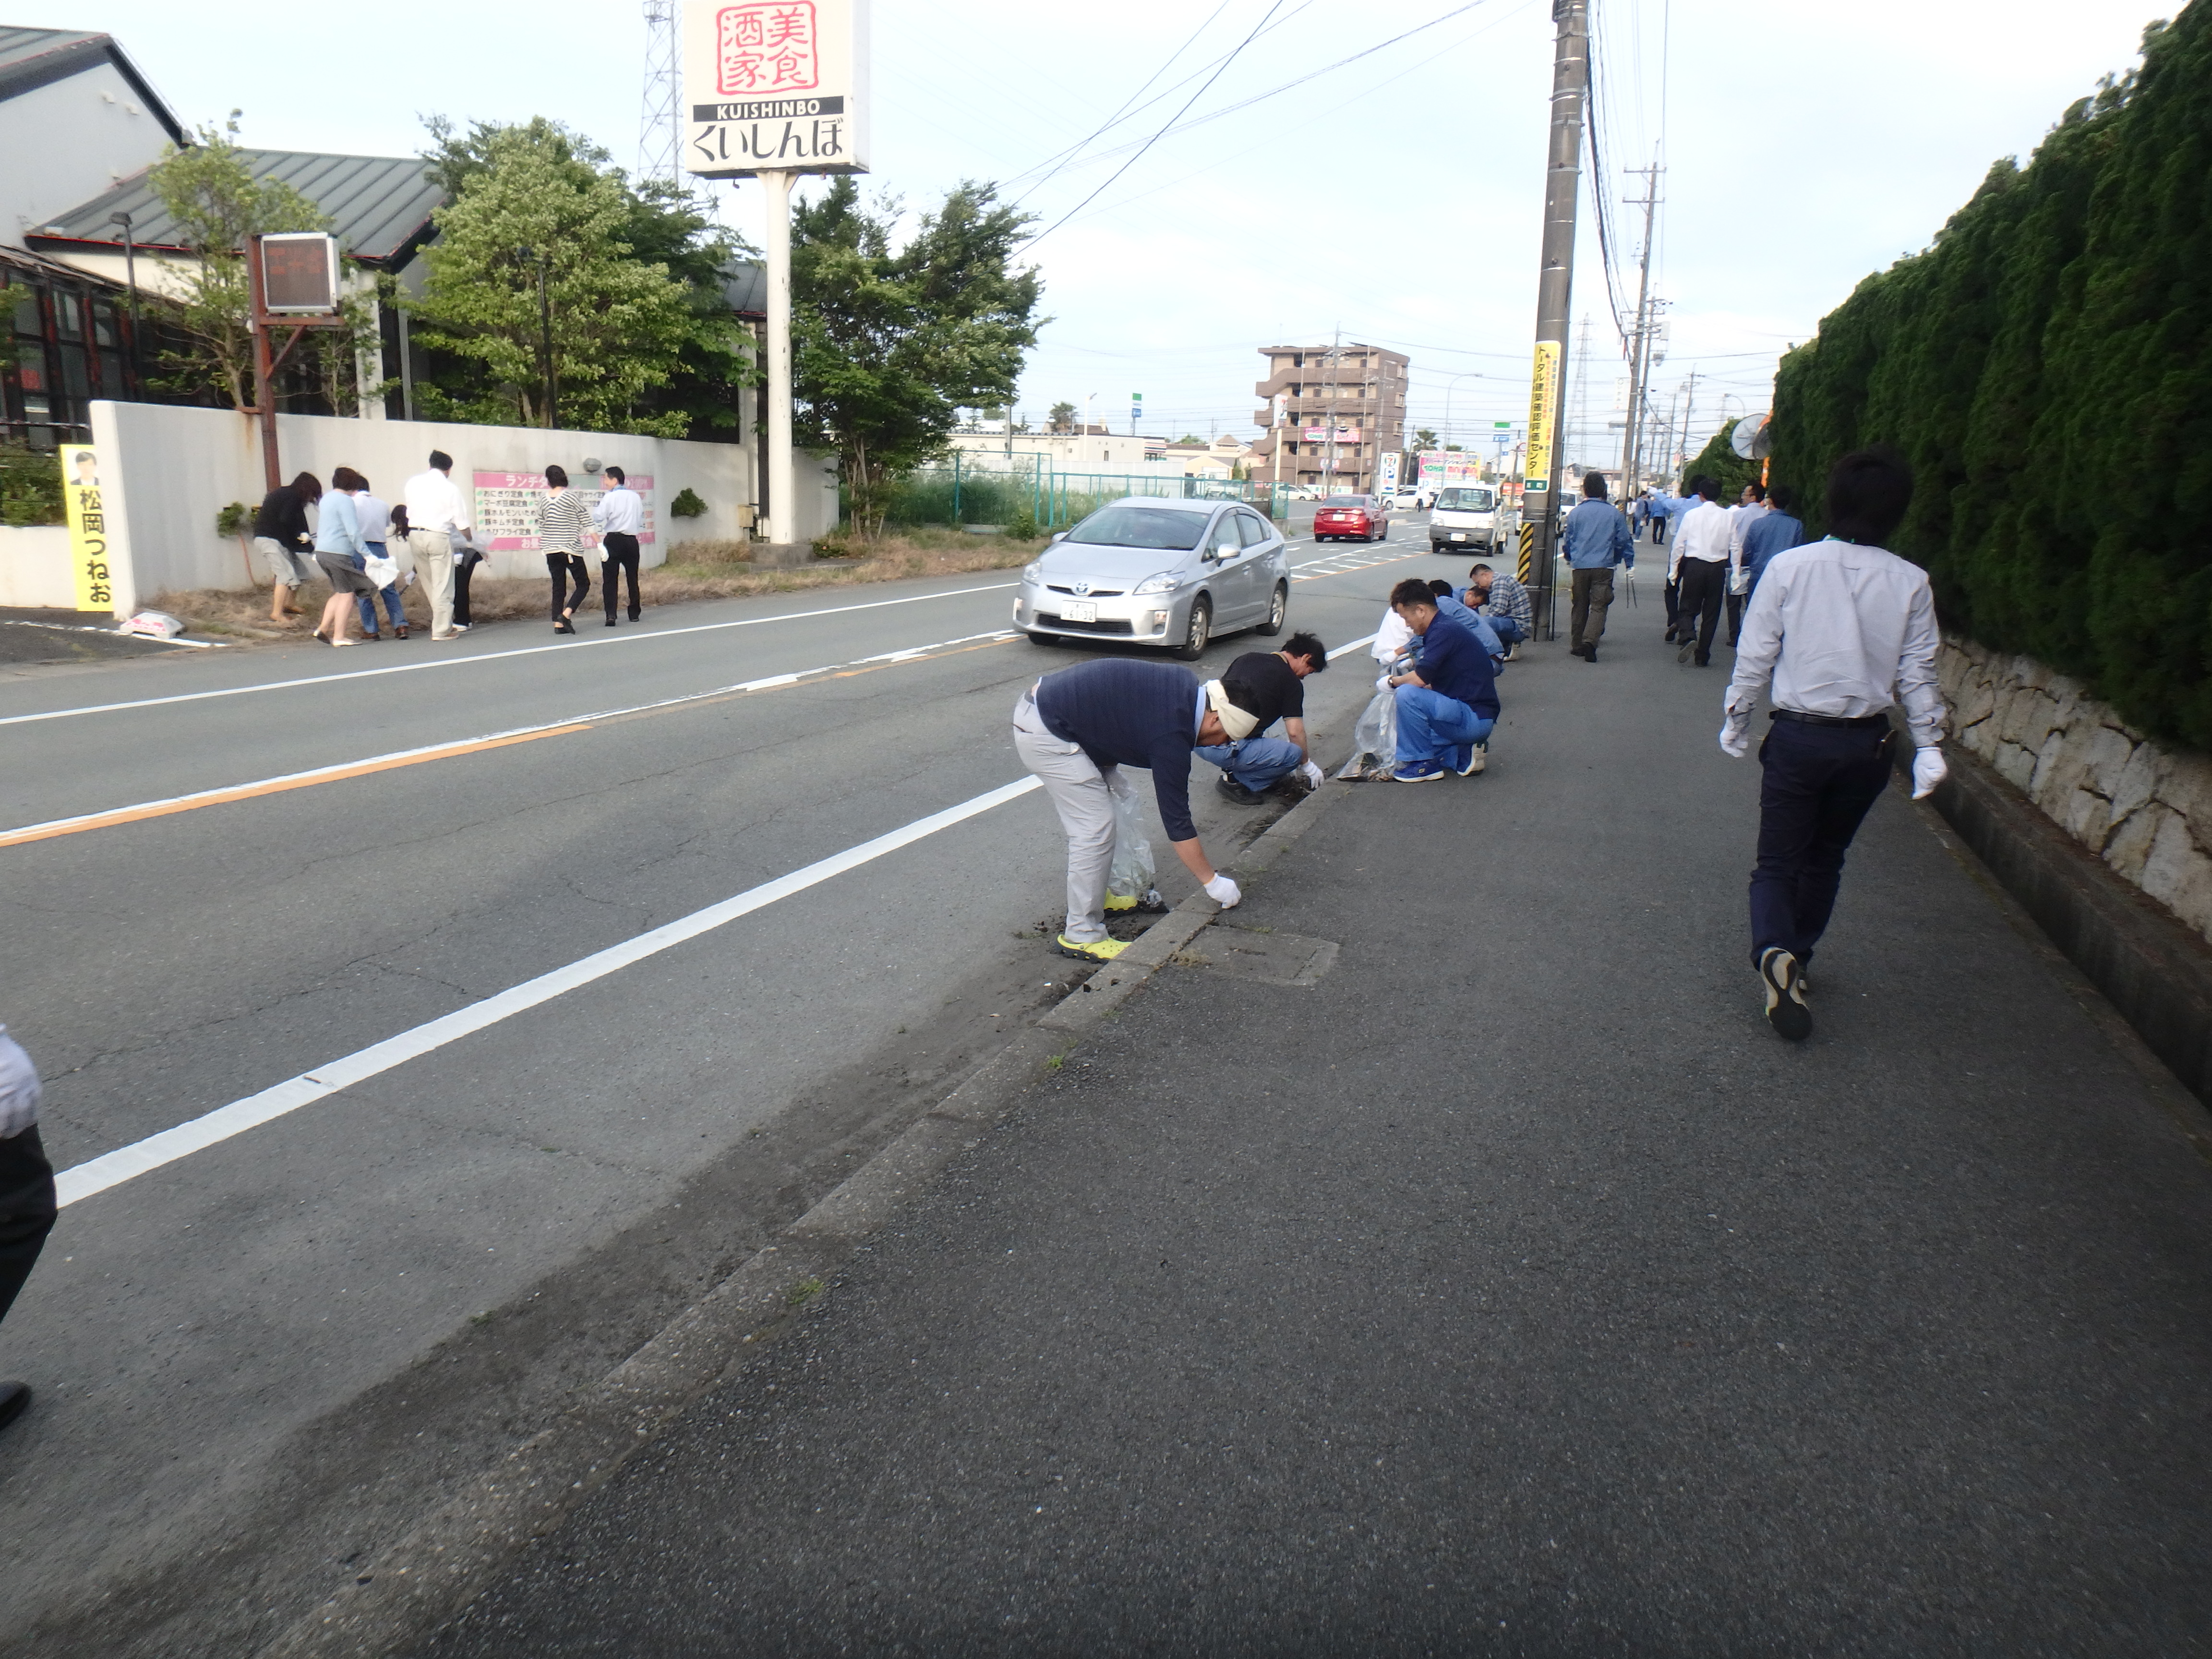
{"x":1720,"y":459}
{"x":2046,"y":364}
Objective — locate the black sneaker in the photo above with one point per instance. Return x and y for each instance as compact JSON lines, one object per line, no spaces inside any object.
{"x":1785,"y":994}
{"x":14,"y":1400}
{"x":1231,"y":790}
{"x":1590,"y":653}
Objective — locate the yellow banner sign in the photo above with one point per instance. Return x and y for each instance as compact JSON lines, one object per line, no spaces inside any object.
{"x":88,"y":526}
{"x":1543,"y":417}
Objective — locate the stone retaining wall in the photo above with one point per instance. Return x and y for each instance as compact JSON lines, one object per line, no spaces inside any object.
{"x":2146,"y":811}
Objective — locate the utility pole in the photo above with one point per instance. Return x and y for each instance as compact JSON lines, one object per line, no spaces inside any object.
{"x":1689,"y":413}
{"x":1554,"y":294}
{"x":1580,"y":432}
{"x":1640,"y":347}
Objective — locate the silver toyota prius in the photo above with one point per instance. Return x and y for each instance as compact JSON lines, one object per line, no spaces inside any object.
{"x":1168,"y":572}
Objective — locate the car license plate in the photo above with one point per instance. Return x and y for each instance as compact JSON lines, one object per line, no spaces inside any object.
{"x":1459,"y":535}
{"x":1078,"y":611}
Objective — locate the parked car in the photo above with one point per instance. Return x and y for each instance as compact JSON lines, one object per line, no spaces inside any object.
{"x":1158,"y":572}
{"x":1414,"y":497}
{"x":1351,"y":517}
{"x":1465,"y":515}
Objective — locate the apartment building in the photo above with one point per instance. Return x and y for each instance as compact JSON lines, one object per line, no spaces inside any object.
{"x":1341,"y":408}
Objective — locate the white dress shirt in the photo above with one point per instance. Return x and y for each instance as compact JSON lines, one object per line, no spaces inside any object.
{"x":433,"y":502}
{"x":1742,"y":518}
{"x":619,"y":511}
{"x":1702,"y":534}
{"x":1843,"y":630}
{"x":375,"y":517}
{"x":1391,"y":637}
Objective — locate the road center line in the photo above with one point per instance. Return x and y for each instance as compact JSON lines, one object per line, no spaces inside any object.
{"x":493,"y":656}
{"x":127,"y":1163}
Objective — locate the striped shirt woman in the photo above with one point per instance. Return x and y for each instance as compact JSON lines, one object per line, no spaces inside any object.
{"x":560,"y":528}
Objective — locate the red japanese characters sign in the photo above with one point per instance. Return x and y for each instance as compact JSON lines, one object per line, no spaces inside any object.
{"x":766,"y":48}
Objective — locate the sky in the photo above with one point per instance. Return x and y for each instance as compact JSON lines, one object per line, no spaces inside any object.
{"x":1806,"y":143}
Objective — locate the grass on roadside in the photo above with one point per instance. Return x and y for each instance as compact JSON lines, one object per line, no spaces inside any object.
{"x":694,"y":570}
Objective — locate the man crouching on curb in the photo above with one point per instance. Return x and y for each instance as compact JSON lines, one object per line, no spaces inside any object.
{"x":1077,"y":728}
{"x":1448,"y":705}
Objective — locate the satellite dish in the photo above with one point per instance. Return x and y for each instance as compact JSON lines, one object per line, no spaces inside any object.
{"x":1754,"y":437}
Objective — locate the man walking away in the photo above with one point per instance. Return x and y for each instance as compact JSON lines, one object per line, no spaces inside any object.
{"x":1700,"y":568}
{"x":27,"y":1193}
{"x":1597,"y":538}
{"x":1741,"y":517}
{"x":280,"y":535}
{"x":619,"y":516}
{"x":1268,"y":685}
{"x":434,"y":517}
{"x":1846,"y":629}
{"x":1777,"y":532}
{"x":1077,"y":729}
{"x":1448,"y":705}
{"x":1502,"y":602}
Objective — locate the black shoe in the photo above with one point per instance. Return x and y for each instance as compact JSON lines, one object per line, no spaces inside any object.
{"x":1689,"y":648}
{"x":611,"y":622}
{"x":1704,"y":662}
{"x":1785,"y":994}
{"x":1232,"y":790}
{"x":14,"y":1400}
{"x":634,"y":613}
{"x":1670,"y":636}
{"x":1590,"y":653}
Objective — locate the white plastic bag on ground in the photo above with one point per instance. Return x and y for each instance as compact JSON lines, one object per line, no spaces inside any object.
{"x":1130,"y":876}
{"x":1375,"y":740}
{"x":155,"y":624}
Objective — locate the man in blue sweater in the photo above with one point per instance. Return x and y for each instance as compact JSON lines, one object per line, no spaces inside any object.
{"x":1448,"y":705}
{"x":1779,"y":531}
{"x":1078,"y":728}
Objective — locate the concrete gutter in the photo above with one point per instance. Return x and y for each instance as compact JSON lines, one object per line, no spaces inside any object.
{"x":2152,"y":969}
{"x":394,"y":1596}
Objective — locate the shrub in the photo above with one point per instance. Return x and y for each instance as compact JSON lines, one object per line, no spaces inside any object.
{"x":1021,"y":527}
{"x":30,"y":486}
{"x":687,"y":505}
{"x":231,"y":522}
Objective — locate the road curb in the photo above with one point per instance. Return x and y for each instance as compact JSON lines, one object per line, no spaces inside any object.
{"x":397,"y":1594}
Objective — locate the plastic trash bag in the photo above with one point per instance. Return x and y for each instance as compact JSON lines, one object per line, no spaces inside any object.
{"x":155,"y":624}
{"x":1129,"y":880}
{"x":1375,"y":740}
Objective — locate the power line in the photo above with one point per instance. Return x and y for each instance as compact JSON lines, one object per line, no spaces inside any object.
{"x":1161,"y":134}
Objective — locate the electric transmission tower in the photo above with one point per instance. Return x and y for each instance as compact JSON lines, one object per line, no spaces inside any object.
{"x":657,"y":125}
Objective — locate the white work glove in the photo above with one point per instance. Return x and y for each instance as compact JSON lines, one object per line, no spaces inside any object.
{"x":1735,"y":734}
{"x":19,"y":1088}
{"x":1311,"y":774}
{"x":1224,"y":891}
{"x":1928,"y":771}
{"x":1382,"y":681}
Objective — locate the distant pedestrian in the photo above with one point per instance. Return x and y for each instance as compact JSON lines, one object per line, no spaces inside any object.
{"x":1846,"y":630}
{"x":561,"y":537}
{"x":1447,"y":701}
{"x":1744,"y":515}
{"x":619,"y":517}
{"x":1503,"y":603}
{"x":436,"y":517}
{"x":338,"y":550}
{"x":1657,"y":517}
{"x":375,"y":516}
{"x":27,"y":1193}
{"x":1597,"y":538}
{"x":1699,"y":570}
{"x":281,"y":536}
{"x":1078,"y":728}
{"x":1270,"y":686}
{"x":1777,"y":532}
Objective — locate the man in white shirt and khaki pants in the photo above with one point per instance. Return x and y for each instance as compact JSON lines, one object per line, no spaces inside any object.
{"x":434,"y":516}
{"x":1846,"y":630}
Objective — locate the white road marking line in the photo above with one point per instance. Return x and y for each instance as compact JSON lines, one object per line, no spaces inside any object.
{"x":52,"y":826}
{"x":97,"y":1175}
{"x":495,"y":656}
{"x":127,"y":1163}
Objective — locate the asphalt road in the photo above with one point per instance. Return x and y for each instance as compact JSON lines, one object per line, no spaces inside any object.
{"x":1513,"y":1290}
{"x":255,"y":1360}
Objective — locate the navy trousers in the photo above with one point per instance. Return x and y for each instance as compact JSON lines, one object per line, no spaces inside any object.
{"x":1820,"y":782}
{"x":27,"y":1209}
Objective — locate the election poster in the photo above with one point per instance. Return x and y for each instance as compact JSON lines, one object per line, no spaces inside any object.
{"x":88,"y":528}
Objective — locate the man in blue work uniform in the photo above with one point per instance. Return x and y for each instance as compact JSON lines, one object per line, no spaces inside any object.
{"x":1597,"y":538}
{"x":1078,"y":728}
{"x":1448,"y":704}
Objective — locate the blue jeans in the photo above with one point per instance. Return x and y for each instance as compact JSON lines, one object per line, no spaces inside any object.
{"x":1507,"y":629}
{"x":368,"y":605}
{"x":1433,"y":727}
{"x":1256,"y":762}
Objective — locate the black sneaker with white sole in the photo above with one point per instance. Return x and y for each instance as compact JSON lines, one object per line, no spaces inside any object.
{"x":1229,"y":789}
{"x":1786,"y":1010}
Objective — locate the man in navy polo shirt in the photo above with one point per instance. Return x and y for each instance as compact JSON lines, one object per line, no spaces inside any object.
{"x":1448,"y":705}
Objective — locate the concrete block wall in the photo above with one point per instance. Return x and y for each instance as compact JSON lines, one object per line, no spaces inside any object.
{"x":2144,"y":809}
{"x":35,"y":572}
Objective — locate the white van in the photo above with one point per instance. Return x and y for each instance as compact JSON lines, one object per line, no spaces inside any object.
{"x":1465,"y":515}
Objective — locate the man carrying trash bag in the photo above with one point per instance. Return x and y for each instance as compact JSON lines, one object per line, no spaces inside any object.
{"x":1077,"y":729}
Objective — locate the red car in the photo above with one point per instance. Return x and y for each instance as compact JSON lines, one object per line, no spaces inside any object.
{"x":1348,"y":517}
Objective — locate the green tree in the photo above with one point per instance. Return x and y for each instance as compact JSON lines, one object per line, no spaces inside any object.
{"x":890,"y":344}
{"x":1728,"y":468}
{"x":210,"y":189}
{"x":1063,"y":418}
{"x":532,"y":206}
{"x":1424,"y":439}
